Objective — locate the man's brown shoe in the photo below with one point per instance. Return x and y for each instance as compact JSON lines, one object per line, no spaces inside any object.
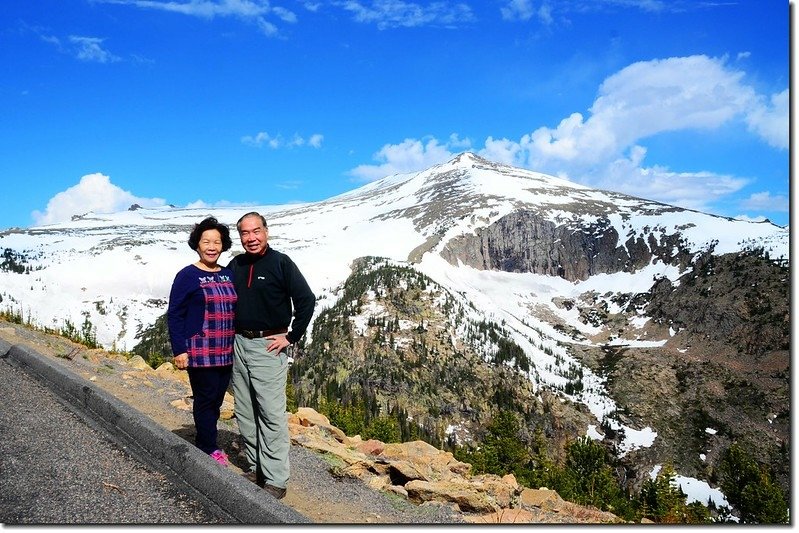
{"x":255,"y":477}
{"x":275,"y":491}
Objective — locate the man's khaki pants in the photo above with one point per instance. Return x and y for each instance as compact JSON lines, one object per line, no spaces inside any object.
{"x":259,"y":389}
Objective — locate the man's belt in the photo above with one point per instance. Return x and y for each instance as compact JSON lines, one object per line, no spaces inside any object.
{"x":258,"y":333}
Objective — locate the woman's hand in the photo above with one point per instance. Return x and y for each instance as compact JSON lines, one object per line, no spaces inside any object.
{"x":181,"y":361}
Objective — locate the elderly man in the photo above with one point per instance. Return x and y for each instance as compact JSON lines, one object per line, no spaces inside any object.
{"x":270,"y":290}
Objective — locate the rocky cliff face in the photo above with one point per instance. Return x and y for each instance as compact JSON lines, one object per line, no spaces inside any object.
{"x":526,"y":241}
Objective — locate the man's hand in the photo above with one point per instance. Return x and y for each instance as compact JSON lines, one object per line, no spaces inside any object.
{"x":278,"y":342}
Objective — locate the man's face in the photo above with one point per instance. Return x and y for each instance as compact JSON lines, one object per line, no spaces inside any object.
{"x":253,"y":235}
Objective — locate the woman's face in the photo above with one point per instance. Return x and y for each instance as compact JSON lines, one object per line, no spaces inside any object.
{"x":210,"y":246}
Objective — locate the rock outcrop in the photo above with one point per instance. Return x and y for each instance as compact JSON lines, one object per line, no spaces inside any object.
{"x":422,"y":473}
{"x":525,"y":241}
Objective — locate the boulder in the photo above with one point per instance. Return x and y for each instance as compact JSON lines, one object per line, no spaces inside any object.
{"x":371,"y":447}
{"x":138,"y":363}
{"x":541,"y":498}
{"x":466,"y":497}
{"x":310,"y":417}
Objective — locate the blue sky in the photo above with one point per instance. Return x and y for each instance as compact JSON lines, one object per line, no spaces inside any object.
{"x":232,"y":102}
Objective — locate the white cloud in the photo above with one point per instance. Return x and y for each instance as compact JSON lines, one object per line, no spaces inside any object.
{"x":275,"y":142}
{"x":259,"y":139}
{"x":202,"y":8}
{"x":747,"y":218}
{"x":764,"y":201}
{"x":285,"y":15}
{"x":199,"y":203}
{"x":254,"y":11}
{"x":643,"y":100}
{"x":94,"y":193}
{"x":382,"y":13}
{"x":770,"y":120}
{"x":398,"y":13}
{"x":545,"y":11}
{"x":648,"y":98}
{"x":604,"y":149}
{"x":289,"y":185}
{"x":312,"y":6}
{"x":524,"y":10}
{"x":91,"y":49}
{"x":83,"y":48}
{"x":640,"y":101}
{"x":503,"y":151}
{"x":316,"y":140}
{"x":409,"y":156}
{"x":518,"y":10}
{"x":691,"y":190}
{"x":457,"y":144}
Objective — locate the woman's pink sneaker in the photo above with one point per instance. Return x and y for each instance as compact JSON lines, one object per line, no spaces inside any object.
{"x":220,"y":457}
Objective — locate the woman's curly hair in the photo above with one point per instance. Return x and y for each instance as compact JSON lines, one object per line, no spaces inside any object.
{"x":205,"y":225}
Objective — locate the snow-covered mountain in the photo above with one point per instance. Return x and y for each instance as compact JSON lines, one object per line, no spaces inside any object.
{"x":118,"y":267}
{"x":516,"y":244}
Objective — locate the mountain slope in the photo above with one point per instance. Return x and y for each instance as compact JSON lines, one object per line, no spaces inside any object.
{"x":575,"y":278}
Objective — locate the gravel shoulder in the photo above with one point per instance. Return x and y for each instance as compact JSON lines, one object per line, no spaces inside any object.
{"x":313,"y":490}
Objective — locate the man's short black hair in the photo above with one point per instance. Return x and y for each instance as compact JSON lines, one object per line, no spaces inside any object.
{"x":205,"y":225}
{"x":250,"y":214}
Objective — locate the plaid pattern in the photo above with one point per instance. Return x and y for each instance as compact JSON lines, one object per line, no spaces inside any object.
{"x":214,"y":345}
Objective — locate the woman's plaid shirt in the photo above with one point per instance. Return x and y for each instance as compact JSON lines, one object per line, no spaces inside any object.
{"x":201,"y":311}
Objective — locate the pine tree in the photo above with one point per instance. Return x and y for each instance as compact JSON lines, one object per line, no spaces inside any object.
{"x":587,"y":477}
{"x":384,"y":429}
{"x":542,"y":467}
{"x":750,"y":488}
{"x":87,"y":335}
{"x":663,"y":502}
{"x":154,"y":346}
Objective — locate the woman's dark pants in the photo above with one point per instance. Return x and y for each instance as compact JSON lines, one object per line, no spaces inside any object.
{"x":208,"y":385}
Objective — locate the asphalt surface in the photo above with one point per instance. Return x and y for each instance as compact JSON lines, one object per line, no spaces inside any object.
{"x":72,"y":454}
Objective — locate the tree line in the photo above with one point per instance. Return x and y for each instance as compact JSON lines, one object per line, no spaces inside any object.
{"x":587,"y":476}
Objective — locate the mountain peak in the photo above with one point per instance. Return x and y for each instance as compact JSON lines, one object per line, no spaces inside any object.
{"x":470,"y":160}
{"x":466,"y":158}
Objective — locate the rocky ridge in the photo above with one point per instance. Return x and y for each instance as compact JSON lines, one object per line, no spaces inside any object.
{"x":418,"y":351}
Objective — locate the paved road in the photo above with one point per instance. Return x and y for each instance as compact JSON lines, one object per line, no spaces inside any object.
{"x":57,"y":468}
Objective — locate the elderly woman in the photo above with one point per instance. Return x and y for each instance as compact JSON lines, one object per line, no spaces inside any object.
{"x":200,"y":319}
